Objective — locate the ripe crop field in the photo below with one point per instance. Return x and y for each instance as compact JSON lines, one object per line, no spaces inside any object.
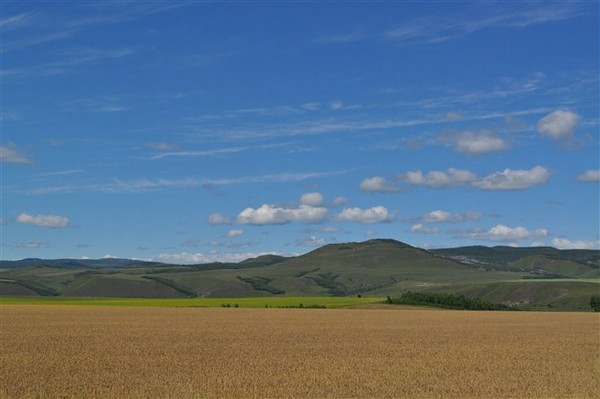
{"x":87,"y":351}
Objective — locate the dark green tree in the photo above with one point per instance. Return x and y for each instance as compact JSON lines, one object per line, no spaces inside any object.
{"x":595,"y":303}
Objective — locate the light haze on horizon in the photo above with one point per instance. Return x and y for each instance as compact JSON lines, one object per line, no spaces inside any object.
{"x":190,"y":132}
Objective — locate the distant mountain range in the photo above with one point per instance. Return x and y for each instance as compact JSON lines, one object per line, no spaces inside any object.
{"x":533,"y":278}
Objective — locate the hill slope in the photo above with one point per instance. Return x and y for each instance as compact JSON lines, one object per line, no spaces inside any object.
{"x":371,"y":268}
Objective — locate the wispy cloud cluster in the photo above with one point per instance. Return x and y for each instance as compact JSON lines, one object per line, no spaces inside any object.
{"x":10,"y":154}
{"x":508,"y":179}
{"x":474,"y":143}
{"x":504,"y":233}
{"x":439,"y":179}
{"x":148,"y":185}
{"x":376,"y":214}
{"x":565,"y":243}
{"x":199,"y":257}
{"x":30,"y":244}
{"x":440,"y":216}
{"x":218,"y":218}
{"x":424,"y":229}
{"x":310,"y":241}
{"x":432,"y":30}
{"x":234,"y":233}
{"x":52,"y":221}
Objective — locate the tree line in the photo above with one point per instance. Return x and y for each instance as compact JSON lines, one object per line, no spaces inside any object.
{"x":446,"y":301}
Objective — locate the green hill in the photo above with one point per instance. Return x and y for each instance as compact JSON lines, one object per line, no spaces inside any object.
{"x":528,"y":277}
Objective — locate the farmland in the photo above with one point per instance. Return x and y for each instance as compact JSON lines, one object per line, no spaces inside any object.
{"x":262,"y":302}
{"x":110,"y":351}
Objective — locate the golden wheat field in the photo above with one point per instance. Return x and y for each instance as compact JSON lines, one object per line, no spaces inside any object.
{"x":106,"y":352}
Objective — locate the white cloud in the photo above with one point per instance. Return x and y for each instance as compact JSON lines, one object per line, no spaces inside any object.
{"x":329,"y":229}
{"x":454,"y":116}
{"x":193,"y":258}
{"x":161,"y":146}
{"x":376,"y":214}
{"x":433,"y":30}
{"x":310,"y":241}
{"x":109,"y":256}
{"x":438,"y":179}
{"x":339,"y":201}
{"x":559,"y":124}
{"x":218,"y":218}
{"x":52,"y":221}
{"x":440,"y":216}
{"x":590,"y":176}
{"x":312,"y":199}
{"x":336,"y":105}
{"x":424,"y":229}
{"x":378,"y":184}
{"x":271,"y":214}
{"x":516,"y":179}
{"x":145,"y":185}
{"x":508,"y":234}
{"x":474,"y":142}
{"x":30,"y":244}
{"x":10,"y":154}
{"x":564,"y":243}
{"x":234,"y":233}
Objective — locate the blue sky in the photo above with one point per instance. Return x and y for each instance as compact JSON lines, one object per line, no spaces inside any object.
{"x":194,"y":132}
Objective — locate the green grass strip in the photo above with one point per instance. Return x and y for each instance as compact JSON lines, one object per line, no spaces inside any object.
{"x":328,"y":302}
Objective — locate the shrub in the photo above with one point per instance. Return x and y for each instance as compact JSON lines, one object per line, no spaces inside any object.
{"x":595,"y":303}
{"x":447,"y":301}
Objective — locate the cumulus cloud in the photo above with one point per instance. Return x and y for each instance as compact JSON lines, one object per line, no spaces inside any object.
{"x":559,"y":124}
{"x":339,"y":201}
{"x":508,"y":234}
{"x":440,"y":216}
{"x":474,"y":143}
{"x":271,"y":214}
{"x":564,"y":243}
{"x":310,"y":241}
{"x":51,"y":221}
{"x":234,"y":233}
{"x":516,"y":179}
{"x":312,"y":199}
{"x":218,"y":218}
{"x":424,"y":229}
{"x":438,"y":179}
{"x":590,"y":176}
{"x":378,"y":184}
{"x":376,"y":214}
{"x":10,"y":154}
